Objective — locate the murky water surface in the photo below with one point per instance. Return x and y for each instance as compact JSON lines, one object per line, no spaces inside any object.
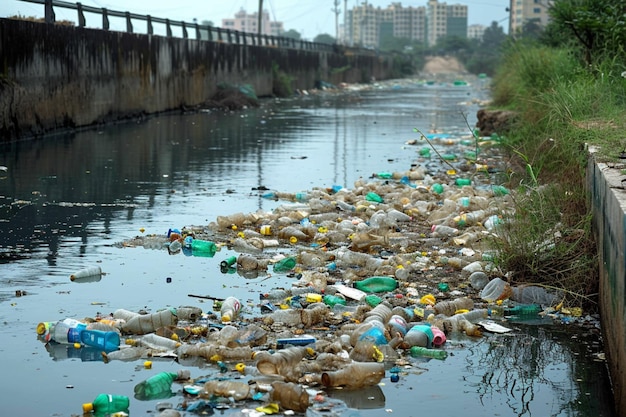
{"x":66,"y":200}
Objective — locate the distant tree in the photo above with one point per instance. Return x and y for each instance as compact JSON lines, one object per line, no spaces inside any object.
{"x":207,"y":23}
{"x":292,"y":34}
{"x":324,"y":38}
{"x":486,"y":52}
{"x":532,"y":29}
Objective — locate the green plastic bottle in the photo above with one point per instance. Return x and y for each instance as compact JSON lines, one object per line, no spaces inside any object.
{"x":373,"y":300}
{"x":437,"y":188}
{"x":203,"y":248}
{"x":107,"y":404}
{"x":158,"y":386}
{"x":332,"y":300}
{"x":428,"y":353}
{"x":285,"y":265}
{"x":376,"y":284}
{"x":523,"y":311}
{"x":372,"y":196}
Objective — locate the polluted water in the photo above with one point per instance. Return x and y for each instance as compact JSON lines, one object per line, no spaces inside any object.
{"x":366,"y":206}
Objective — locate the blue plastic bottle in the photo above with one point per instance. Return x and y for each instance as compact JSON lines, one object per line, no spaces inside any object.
{"x":107,"y":341}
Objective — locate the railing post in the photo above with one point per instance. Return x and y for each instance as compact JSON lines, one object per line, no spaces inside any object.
{"x":168,"y":28}
{"x":198,"y":34}
{"x":237,"y":37}
{"x":244,"y":38}
{"x":129,"y":23}
{"x":219,"y":34}
{"x":210,"y":33}
{"x":185,"y":34}
{"x":105,"y":19}
{"x":81,"y":15}
{"x":49,"y":16}
{"x":149,"y":23}
{"x":229,"y":35}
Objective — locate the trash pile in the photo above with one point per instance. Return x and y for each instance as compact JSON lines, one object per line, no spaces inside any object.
{"x":383,"y":274}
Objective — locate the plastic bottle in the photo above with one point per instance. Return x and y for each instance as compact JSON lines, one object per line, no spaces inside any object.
{"x":442,"y":230}
{"x":428,"y":353}
{"x":107,"y":341}
{"x":381,"y":313}
{"x":210,"y":350}
{"x":68,"y":331}
{"x":107,"y":404}
{"x":449,"y":308}
{"x":45,"y":330}
{"x":373,"y":197}
{"x":332,"y":300}
{"x":230,"y":309}
{"x":156,"y":342}
{"x":523,"y":312}
{"x":439,"y":337}
{"x":238,"y":390}
{"x":90,"y":274}
{"x":397,"y":323}
{"x":377,"y":284}
{"x":290,"y":396}
{"x":419,"y":335}
{"x":148,"y":323}
{"x":203,"y":248}
{"x":159,"y":386}
{"x":355,"y":375}
{"x":230,"y":261}
{"x":496,"y":289}
{"x":285,"y":265}
{"x":281,"y":362}
{"x":127,"y":353}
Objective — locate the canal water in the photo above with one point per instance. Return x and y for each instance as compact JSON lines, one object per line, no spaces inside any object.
{"x":68,"y":200}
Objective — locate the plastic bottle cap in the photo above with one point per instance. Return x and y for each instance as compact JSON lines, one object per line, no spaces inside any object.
{"x":225,"y":318}
{"x":88,"y":407}
{"x":147,"y":364}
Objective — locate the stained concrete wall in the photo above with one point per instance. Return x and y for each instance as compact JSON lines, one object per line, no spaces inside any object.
{"x":56,"y":77}
{"x":608,"y":197}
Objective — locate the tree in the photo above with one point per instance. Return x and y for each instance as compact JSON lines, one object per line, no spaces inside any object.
{"x":324,"y":38}
{"x":599,"y":26}
{"x":292,"y":34}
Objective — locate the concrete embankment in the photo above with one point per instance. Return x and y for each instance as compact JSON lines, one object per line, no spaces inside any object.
{"x":56,"y":77}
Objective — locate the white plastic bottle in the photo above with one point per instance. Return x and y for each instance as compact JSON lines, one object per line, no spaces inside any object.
{"x":230,"y":309}
{"x":68,"y":331}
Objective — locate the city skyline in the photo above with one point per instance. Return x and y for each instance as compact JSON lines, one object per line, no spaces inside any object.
{"x":309,"y":18}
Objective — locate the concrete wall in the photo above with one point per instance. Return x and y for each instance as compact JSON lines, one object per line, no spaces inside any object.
{"x":63,"y":77}
{"x":608,"y":197}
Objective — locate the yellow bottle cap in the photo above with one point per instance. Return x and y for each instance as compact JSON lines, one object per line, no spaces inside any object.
{"x":77,"y":345}
{"x":43,"y":327}
{"x":225,"y":318}
{"x":147,"y":364}
{"x":88,"y":407}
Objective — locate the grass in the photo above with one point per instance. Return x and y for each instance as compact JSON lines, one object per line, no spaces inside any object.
{"x":562,"y":106}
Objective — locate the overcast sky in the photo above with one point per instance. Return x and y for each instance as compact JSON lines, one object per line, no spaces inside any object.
{"x":309,"y":17}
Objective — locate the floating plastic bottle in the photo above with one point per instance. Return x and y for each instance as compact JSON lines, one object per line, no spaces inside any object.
{"x":203,"y":248}
{"x":442,"y":230}
{"x":211,"y":350}
{"x":159,"y":386}
{"x":355,"y":375}
{"x":156,"y":342}
{"x":230,"y":261}
{"x":377,"y":284}
{"x":285,"y":265}
{"x":68,"y":331}
{"x":439,"y":337}
{"x":382,"y":313}
{"x":373,"y":197}
{"x":419,"y":335}
{"x":90,"y":274}
{"x":449,"y":308}
{"x":523,"y":312}
{"x":303,"y":340}
{"x":107,"y":404}
{"x":290,"y":396}
{"x":332,"y":300}
{"x":230,"y":309}
{"x":496,"y":289}
{"x":282,"y":362}
{"x":238,"y":390}
{"x":107,"y":341}
{"x":428,"y":353}
{"x":148,"y":323}
{"x":398,"y":324}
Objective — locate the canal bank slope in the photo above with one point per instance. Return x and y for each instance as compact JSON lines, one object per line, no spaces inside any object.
{"x":62,"y":77}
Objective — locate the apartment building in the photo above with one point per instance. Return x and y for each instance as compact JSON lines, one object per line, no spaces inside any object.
{"x":366,"y":25}
{"x":522,"y":11}
{"x":245,"y":22}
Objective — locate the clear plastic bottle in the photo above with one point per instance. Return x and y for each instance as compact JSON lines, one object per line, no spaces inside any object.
{"x":230,"y":309}
{"x":381,"y":313}
{"x":449,"y":308}
{"x":238,"y":390}
{"x":159,"y":386}
{"x":156,"y":342}
{"x":107,"y":404}
{"x":68,"y":331}
{"x":290,"y":396}
{"x":210,"y":350}
{"x":443,"y":230}
{"x":89,"y":274}
{"x":397,"y":323}
{"x":281,"y":362}
{"x":355,"y":375}
{"x":419,"y":335}
{"x":148,"y":323}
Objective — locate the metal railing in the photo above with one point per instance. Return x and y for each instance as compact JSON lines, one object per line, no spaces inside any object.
{"x":202,"y":32}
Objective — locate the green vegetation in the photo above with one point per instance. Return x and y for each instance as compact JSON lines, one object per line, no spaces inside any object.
{"x":568,"y":88}
{"x":282,"y":82}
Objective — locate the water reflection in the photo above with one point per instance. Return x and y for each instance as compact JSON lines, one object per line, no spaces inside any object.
{"x":527,"y":369}
{"x":61,"y":352}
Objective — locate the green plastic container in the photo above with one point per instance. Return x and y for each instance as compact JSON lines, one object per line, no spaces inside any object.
{"x":377,"y":284}
{"x":203,"y":248}
{"x":428,"y":353}
{"x":107,"y":404}
{"x":156,"y":387}
{"x":285,"y":265}
{"x":332,"y":300}
{"x":372,"y":196}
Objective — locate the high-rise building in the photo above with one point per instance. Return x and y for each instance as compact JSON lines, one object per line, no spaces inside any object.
{"x":475,"y":31}
{"x":245,"y":22}
{"x":522,"y":11}
{"x":366,"y":25}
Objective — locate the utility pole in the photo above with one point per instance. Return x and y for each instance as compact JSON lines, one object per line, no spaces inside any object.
{"x":336,"y":10}
{"x":260,"y":18}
